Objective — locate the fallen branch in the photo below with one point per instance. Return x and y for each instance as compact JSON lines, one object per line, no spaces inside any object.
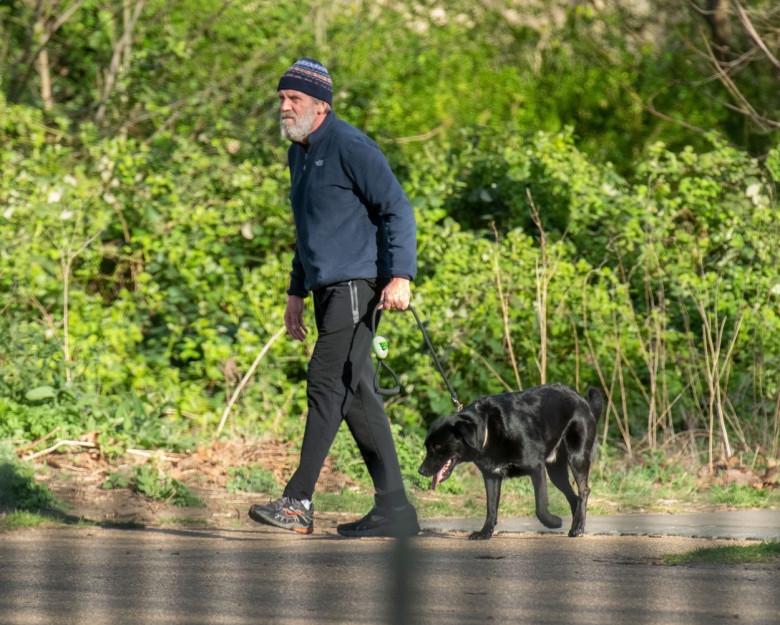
{"x":245,"y":379}
{"x":37,"y":441}
{"x":57,"y":445}
{"x":144,"y":453}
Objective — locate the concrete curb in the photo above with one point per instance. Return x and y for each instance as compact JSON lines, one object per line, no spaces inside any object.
{"x":733,"y":524}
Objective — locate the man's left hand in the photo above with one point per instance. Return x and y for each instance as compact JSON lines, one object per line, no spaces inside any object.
{"x":396,"y":295}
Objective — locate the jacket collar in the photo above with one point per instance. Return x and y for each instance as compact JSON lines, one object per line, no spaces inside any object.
{"x":318,"y":134}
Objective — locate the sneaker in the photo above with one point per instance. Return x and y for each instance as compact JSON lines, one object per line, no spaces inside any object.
{"x":397,"y":523}
{"x":287,"y":513}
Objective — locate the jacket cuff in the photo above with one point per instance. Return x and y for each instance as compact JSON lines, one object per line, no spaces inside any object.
{"x":297,"y":292}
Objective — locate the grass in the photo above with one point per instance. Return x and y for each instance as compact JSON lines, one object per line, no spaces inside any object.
{"x":252,"y":479}
{"x":20,"y":491}
{"x":150,"y":481}
{"x":730,"y":554}
{"x":22,"y":519}
{"x":24,"y":502}
{"x":357,"y":502}
{"x":651,"y":482}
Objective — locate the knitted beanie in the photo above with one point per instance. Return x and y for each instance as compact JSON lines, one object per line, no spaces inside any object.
{"x":310,"y":77}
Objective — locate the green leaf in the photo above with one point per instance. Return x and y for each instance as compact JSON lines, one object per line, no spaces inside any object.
{"x":40,"y":393}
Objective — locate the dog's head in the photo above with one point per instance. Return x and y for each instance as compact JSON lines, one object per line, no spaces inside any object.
{"x":450,"y":440}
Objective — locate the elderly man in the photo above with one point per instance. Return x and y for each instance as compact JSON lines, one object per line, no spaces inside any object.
{"x":355,"y":250}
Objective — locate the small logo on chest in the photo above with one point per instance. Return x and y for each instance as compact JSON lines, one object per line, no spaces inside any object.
{"x":319,"y":163}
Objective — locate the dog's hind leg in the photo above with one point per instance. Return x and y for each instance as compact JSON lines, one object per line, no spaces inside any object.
{"x":539,"y":480}
{"x":493,"y":494}
{"x":559,"y":475}
{"x":580,"y":468}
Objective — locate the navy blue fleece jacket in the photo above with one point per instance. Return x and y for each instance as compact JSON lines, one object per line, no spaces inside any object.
{"x":352,"y":218}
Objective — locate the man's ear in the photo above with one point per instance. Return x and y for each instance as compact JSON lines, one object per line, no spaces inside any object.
{"x":469,"y":432}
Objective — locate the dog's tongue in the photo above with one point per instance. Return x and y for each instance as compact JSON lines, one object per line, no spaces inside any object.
{"x":438,"y":478}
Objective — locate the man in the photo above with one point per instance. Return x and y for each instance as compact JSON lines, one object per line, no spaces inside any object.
{"x":355,"y":250}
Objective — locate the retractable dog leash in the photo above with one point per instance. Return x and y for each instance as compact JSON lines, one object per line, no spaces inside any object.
{"x":381,"y":346}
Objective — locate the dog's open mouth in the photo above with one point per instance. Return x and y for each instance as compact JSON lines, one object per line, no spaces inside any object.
{"x":443,"y":473}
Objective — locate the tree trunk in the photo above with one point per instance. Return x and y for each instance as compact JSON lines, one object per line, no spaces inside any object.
{"x":717,"y":16}
{"x":42,"y":64}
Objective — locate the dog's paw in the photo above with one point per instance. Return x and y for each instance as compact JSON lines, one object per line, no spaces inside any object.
{"x":575,"y":532}
{"x":482,"y":534}
{"x":551,"y":521}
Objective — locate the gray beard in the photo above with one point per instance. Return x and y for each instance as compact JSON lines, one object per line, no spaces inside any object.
{"x":301,"y":127}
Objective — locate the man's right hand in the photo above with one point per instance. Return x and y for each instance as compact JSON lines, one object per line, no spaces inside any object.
{"x":293,"y":318}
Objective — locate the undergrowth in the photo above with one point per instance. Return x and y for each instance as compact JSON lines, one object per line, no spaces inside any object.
{"x":151,"y":481}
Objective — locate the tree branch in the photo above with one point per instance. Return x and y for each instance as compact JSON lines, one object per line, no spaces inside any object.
{"x":121,"y":53}
{"x":751,"y":31}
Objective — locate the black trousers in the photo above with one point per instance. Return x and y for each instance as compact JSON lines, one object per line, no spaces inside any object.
{"x":340,"y":386}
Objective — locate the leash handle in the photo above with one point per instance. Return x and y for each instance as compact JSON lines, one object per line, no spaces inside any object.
{"x":392,"y":390}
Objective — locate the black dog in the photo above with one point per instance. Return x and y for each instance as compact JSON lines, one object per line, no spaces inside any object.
{"x":514,"y":434}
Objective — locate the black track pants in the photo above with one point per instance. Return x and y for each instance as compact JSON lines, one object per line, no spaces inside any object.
{"x":340,"y":386}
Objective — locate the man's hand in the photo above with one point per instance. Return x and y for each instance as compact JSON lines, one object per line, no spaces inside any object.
{"x":293,"y":318}
{"x":396,"y":295}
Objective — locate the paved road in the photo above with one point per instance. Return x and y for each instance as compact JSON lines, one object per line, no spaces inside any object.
{"x":264,"y":576}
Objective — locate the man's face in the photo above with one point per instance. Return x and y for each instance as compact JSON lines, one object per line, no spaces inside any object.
{"x":298,"y":114}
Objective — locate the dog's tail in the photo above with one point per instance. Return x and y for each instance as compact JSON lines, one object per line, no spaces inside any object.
{"x":595,"y":401}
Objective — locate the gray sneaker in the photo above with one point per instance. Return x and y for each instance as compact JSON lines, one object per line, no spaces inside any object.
{"x":285,"y":512}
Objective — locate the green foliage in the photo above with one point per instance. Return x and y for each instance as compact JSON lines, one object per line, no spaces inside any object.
{"x":145,"y":231}
{"x":252,"y":479}
{"x":147,"y":479}
{"x":19,"y":491}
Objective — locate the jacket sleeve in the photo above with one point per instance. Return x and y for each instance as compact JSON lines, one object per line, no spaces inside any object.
{"x":297,"y":277}
{"x":369,"y":170}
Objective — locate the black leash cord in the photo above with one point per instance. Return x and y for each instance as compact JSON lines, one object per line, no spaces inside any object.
{"x":397,"y":388}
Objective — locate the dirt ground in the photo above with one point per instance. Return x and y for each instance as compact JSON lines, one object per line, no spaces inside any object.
{"x":76,"y":475}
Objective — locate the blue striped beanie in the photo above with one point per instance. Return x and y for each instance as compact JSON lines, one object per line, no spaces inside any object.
{"x":310,"y":77}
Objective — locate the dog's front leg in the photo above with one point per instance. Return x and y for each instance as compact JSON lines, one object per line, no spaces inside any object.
{"x":493,"y":495}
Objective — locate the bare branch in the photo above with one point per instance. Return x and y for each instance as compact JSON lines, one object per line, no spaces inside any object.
{"x":38,"y":47}
{"x":748,"y":25}
{"x":426,"y":135}
{"x":245,"y":379}
{"x":505,"y":311}
{"x":727,"y":81}
{"x":650,"y":108}
{"x":120,"y":55}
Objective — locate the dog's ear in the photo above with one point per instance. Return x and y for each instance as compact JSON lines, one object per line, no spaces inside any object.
{"x":468,"y":431}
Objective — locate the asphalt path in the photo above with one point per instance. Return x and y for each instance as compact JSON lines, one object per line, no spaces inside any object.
{"x":260,"y":575}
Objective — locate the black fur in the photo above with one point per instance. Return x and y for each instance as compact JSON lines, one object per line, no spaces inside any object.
{"x":549,"y":426}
